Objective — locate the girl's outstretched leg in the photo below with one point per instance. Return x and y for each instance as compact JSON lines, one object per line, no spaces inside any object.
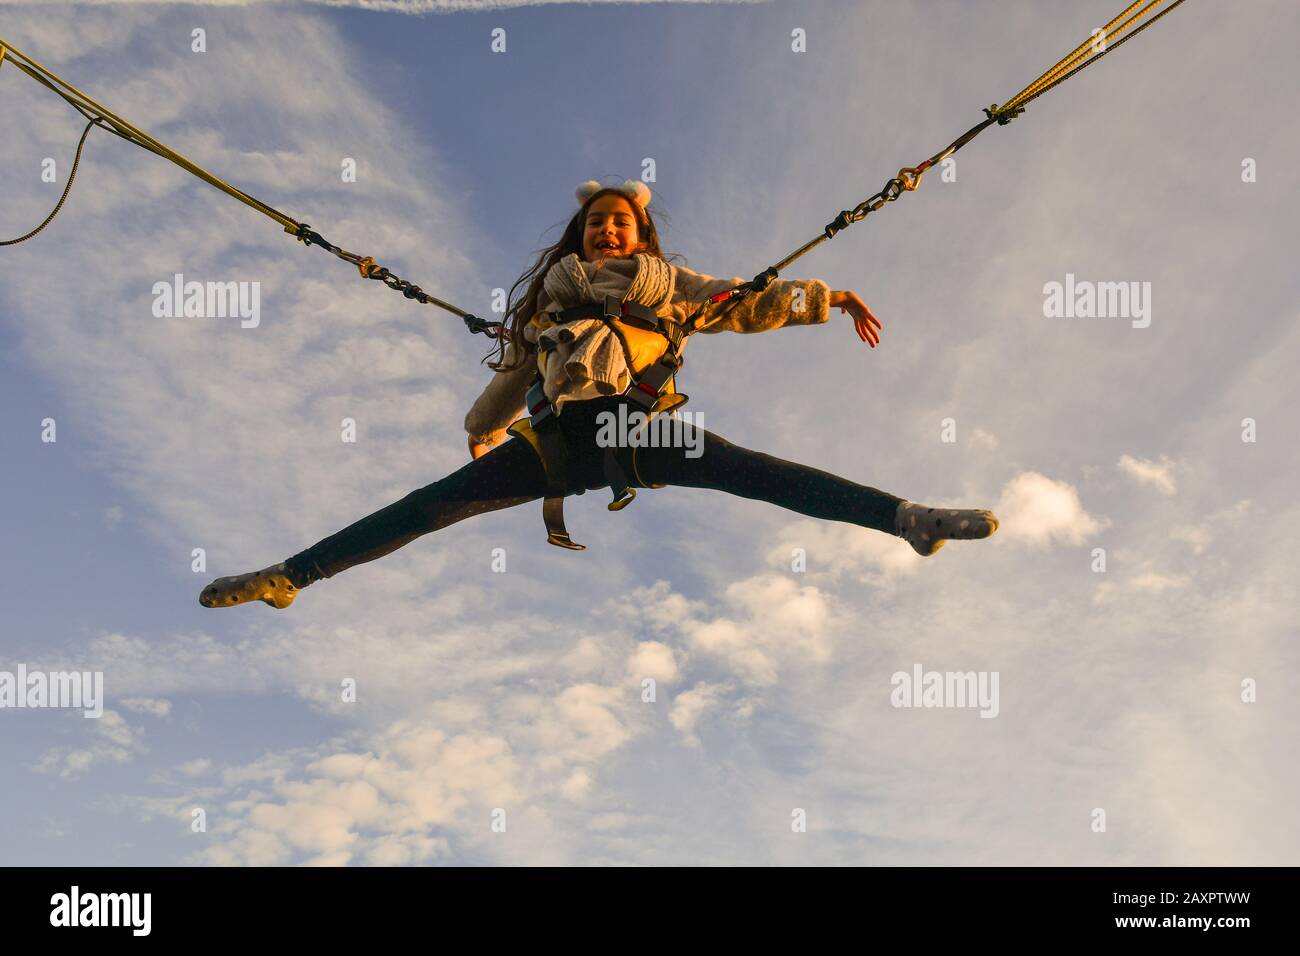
{"x":723,"y":466}
{"x":508,"y":475}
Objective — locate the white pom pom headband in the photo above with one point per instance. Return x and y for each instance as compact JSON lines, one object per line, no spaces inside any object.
{"x":633,"y":189}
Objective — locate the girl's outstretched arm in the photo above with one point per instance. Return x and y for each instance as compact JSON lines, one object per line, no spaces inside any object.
{"x":784,"y":302}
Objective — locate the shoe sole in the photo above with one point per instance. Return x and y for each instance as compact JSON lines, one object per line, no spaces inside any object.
{"x":268,"y":591}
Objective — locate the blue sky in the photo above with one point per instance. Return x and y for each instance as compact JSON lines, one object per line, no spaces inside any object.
{"x":1119,"y":690}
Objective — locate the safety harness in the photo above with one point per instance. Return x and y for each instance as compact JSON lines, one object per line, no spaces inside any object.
{"x":647,"y":393}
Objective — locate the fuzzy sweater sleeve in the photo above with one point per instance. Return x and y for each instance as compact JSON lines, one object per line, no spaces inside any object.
{"x":784,"y":302}
{"x":502,"y":401}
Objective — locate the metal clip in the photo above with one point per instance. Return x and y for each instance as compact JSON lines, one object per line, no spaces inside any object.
{"x":910,"y":177}
{"x":613,"y":307}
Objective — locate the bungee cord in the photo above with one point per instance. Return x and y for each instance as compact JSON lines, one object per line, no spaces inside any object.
{"x":101,"y":116}
{"x":1128,"y":23}
{"x":66,"y":189}
{"x":1123,"y":27}
{"x":1091,"y":50}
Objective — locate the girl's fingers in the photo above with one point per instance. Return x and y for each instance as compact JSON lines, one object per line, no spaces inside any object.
{"x":864,"y":321}
{"x":864,"y":311}
{"x":866,"y":333}
{"x":869,"y":315}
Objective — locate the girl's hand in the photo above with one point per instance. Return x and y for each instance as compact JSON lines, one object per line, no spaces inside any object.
{"x":866,"y":324}
{"x":478,"y":449}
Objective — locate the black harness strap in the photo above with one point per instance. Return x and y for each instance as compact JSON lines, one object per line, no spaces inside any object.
{"x":554,"y":451}
{"x":618,"y":481}
{"x":643,"y":393}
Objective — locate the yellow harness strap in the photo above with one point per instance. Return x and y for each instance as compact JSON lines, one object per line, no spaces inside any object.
{"x":523,"y":428}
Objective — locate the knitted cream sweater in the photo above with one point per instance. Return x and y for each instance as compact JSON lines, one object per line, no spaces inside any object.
{"x":588,"y":360}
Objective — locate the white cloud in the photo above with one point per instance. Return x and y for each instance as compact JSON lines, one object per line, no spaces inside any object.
{"x":583,"y":723}
{"x":1155,"y":581}
{"x":578,"y":785}
{"x":585,"y":658}
{"x":112,"y":740}
{"x":1036,"y":510}
{"x":1197,"y":537}
{"x":653,"y":659}
{"x":843,"y":549}
{"x":1200,"y":534}
{"x":773,"y":622}
{"x":1158,"y":475}
{"x":383,"y":805}
{"x":405,"y":851}
{"x":690,"y":706}
{"x":393,"y":801}
{"x":156,"y":706}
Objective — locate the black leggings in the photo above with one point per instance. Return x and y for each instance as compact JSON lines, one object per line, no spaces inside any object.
{"x":511,"y":474}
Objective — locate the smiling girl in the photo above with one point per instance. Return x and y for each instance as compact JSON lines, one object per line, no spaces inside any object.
{"x":601,"y":310}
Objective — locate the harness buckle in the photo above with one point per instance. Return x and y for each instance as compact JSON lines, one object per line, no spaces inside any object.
{"x":540,"y":408}
{"x":646,"y":390}
{"x":614,"y":307}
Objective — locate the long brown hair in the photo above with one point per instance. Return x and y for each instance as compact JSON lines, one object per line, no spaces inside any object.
{"x":520,"y":311}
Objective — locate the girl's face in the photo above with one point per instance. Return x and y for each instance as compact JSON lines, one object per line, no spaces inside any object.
{"x":610,"y":229}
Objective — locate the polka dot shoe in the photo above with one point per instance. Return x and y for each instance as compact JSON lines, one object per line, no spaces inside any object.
{"x":926,"y":529}
{"x":270,"y":585}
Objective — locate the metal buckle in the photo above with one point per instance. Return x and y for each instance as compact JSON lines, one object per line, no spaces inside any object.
{"x":633,"y":313}
{"x":613,"y":306}
{"x":648,"y":389}
{"x":539,"y":406}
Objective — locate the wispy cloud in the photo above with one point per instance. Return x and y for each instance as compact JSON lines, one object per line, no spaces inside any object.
{"x":691,"y":706}
{"x":157,"y":707}
{"x":1158,"y":475}
{"x":109,"y":739}
{"x":1038,"y":510}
